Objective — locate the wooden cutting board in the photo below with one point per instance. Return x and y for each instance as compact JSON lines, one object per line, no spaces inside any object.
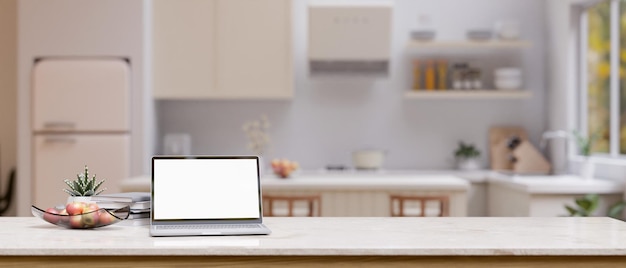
{"x":529,"y":160}
{"x":499,"y":153}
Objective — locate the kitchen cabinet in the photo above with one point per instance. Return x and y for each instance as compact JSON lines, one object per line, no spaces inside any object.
{"x":482,"y":48}
{"x":183,"y":48}
{"x":362,"y":194}
{"x":222,"y":49}
{"x":546,"y":196}
{"x":367,"y":195}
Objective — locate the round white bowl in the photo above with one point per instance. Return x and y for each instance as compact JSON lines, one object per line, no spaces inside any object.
{"x":508,"y":84}
{"x":507,"y":73}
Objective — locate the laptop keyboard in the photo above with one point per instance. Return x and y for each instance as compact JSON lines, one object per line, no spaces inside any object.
{"x":208,"y":226}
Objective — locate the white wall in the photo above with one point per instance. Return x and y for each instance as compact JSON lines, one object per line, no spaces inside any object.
{"x":327,"y":119}
{"x":8,"y":90}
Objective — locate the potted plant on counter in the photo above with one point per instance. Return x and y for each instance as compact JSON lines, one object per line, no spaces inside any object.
{"x":467,"y":157}
{"x":587,"y":167}
{"x":81,"y":189}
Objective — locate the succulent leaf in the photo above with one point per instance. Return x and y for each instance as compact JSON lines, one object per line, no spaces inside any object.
{"x":98,"y":186}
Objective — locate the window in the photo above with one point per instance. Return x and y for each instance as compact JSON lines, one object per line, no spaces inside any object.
{"x":603,"y":97}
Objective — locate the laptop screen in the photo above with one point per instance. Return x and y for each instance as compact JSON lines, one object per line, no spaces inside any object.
{"x":205,"y":188}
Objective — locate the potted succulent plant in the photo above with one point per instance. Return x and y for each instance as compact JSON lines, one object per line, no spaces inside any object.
{"x":81,"y":189}
{"x":587,"y":167}
{"x":467,"y":156}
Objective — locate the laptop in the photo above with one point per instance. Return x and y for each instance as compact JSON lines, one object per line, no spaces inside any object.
{"x":206,"y":195}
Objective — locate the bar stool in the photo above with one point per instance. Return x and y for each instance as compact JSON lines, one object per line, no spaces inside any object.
{"x":444,"y":205}
{"x":312,"y":209}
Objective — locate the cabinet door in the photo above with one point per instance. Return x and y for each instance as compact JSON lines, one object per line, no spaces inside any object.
{"x":81,"y":95}
{"x":59,"y":157}
{"x":183,"y":48}
{"x":254,"y":55}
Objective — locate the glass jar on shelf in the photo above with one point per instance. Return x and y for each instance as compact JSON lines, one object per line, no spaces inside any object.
{"x":458,"y":75}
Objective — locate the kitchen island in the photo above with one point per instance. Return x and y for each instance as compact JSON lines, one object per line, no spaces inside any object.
{"x":356,"y":193}
{"x":363,"y":241}
{"x":546,"y":196}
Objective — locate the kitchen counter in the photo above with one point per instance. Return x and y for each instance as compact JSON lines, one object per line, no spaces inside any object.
{"x":367,"y":194}
{"x":546,"y":196}
{"x":366,"y":241}
{"x":356,"y":193}
{"x":367,"y":180}
{"x":391,"y":179}
{"x":556,"y":184}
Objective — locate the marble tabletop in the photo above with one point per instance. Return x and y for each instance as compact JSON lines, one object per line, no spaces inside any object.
{"x":323,"y":236}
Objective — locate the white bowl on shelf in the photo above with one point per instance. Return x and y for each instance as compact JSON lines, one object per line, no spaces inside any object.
{"x":508,"y":78}
{"x":508,"y":84}
{"x":507,"y":73}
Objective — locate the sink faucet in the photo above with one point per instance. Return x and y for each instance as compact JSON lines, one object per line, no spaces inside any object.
{"x":556,"y":134}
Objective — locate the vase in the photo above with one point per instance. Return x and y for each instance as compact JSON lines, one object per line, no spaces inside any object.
{"x":468,"y":163}
{"x":587,"y":168}
{"x":83,"y":199}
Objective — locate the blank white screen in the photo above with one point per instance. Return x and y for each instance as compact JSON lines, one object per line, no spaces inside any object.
{"x":205,"y":189}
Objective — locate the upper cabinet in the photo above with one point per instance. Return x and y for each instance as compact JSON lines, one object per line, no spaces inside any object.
{"x":223,"y":49}
{"x":183,"y":48}
{"x":254,"y":48}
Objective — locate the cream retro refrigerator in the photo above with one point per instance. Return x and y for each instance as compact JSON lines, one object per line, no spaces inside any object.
{"x":80,"y":116}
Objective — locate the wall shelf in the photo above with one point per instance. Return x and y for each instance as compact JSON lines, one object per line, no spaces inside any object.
{"x":468,"y":44}
{"x":468,"y":94}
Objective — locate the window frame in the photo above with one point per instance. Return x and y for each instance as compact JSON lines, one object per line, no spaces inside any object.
{"x":614,"y":82}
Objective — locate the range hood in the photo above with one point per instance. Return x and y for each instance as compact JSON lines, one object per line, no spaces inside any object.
{"x":349,"y":39}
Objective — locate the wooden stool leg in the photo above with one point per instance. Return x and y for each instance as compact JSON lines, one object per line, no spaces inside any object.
{"x":319,"y":206}
{"x":423,"y":207}
{"x":271,"y":213}
{"x":290,"y":207}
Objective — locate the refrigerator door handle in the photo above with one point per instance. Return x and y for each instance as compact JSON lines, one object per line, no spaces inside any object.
{"x":59,"y":124}
{"x":60,"y":140}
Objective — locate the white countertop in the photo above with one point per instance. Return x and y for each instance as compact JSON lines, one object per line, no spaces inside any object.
{"x":367,"y":180}
{"x":354,"y":236}
{"x":557,"y":184}
{"x":382,"y":179}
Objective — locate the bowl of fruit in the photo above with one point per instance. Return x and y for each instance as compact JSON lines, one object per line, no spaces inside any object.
{"x":81,"y":215}
{"x":283,"y":168}
{"x":79,"y":212}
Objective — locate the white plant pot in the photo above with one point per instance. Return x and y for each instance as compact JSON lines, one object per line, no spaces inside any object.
{"x":83,"y":199}
{"x":587,"y":168}
{"x":468,"y":163}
